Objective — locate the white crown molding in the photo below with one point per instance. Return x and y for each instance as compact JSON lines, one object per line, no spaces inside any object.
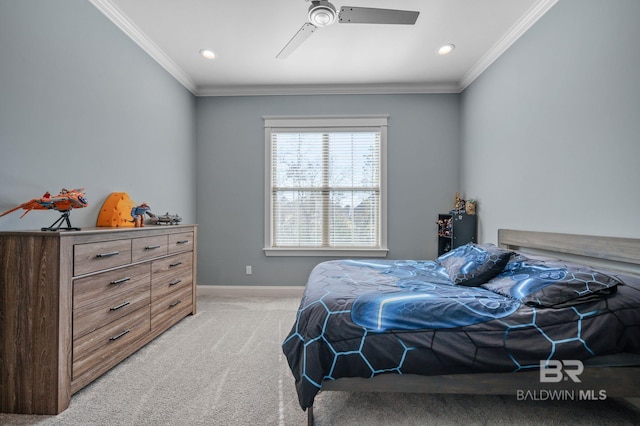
{"x":114,"y":14}
{"x":346,"y":89}
{"x":531,"y":17}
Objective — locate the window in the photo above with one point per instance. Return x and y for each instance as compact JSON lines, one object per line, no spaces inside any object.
{"x":325,"y":186}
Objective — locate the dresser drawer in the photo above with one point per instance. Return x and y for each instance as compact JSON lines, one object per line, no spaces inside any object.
{"x":92,"y":257}
{"x":181,"y":242}
{"x":172,"y":308}
{"x":104,"y":285}
{"x":170,"y":274}
{"x":96,"y":314}
{"x":149,"y":247}
{"x":115,"y":340}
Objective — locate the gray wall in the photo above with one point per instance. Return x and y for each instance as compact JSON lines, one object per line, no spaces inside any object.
{"x":81,"y":105}
{"x":546,"y":139}
{"x":550,"y":132}
{"x":423,"y":152}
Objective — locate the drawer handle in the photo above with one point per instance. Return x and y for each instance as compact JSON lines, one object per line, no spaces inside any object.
{"x":175,"y":264}
{"x":151,"y":247}
{"x":116,"y":337}
{"x":109,"y":254}
{"x":178,"y":281}
{"x":121,"y":280}
{"x":175,"y":303}
{"x":182,"y":242}
{"x":120,"y":306}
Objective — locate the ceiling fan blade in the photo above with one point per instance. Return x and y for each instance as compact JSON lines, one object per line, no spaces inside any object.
{"x":303,"y":33}
{"x":368,"y":15}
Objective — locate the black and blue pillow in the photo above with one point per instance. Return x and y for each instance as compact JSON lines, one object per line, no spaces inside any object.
{"x":537,"y":282}
{"x":551,"y":284}
{"x":474,"y":264}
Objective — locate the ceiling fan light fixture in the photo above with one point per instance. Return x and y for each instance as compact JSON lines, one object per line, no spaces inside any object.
{"x":322,"y":13}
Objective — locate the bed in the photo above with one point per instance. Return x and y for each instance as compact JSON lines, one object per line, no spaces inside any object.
{"x":539,"y":312}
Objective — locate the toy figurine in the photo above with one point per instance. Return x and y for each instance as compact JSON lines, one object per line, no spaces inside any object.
{"x":64,"y":202}
{"x":444,"y":227}
{"x":138,"y":213}
{"x":471,"y":207}
{"x":460,"y":204}
{"x":165,"y":219}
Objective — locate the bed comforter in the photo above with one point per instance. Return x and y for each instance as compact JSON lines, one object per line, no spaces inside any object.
{"x":362,"y":318}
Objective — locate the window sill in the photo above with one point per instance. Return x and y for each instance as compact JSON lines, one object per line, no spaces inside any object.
{"x":326,"y":252}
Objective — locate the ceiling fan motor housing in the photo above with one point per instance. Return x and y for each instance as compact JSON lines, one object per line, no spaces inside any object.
{"x":322,"y":13}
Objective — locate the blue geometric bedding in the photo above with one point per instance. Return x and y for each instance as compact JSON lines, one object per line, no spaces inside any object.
{"x":371,"y":317}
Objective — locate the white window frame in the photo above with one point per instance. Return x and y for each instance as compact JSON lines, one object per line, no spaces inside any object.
{"x":304,"y":123}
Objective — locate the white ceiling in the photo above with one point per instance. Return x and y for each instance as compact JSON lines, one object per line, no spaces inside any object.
{"x":247,"y":35}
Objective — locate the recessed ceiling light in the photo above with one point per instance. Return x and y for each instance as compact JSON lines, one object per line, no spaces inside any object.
{"x":207,"y":53}
{"x":446,"y":49}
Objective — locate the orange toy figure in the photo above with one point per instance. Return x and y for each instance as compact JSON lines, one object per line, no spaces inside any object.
{"x":66,"y":200}
{"x":138,"y":214}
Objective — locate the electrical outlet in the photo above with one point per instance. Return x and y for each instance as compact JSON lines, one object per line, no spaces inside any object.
{"x":248,"y":270}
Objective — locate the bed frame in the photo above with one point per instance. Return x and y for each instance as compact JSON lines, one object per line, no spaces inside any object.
{"x":618,"y":375}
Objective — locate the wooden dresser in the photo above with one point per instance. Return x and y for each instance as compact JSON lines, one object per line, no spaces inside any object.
{"x":73,"y":304}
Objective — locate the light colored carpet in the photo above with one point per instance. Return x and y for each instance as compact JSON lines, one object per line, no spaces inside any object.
{"x":224,"y":366}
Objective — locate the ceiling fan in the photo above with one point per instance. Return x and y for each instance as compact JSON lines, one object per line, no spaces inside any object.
{"x":322,"y":13}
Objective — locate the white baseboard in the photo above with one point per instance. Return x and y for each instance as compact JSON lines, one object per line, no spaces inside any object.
{"x":250,"y":290}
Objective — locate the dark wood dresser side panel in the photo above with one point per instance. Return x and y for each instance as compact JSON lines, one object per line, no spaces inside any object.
{"x":29,"y":321}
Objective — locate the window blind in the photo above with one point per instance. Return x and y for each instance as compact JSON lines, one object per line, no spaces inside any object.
{"x":325,"y":188}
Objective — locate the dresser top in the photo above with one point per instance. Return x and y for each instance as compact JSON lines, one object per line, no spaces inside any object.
{"x":126,"y":232}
